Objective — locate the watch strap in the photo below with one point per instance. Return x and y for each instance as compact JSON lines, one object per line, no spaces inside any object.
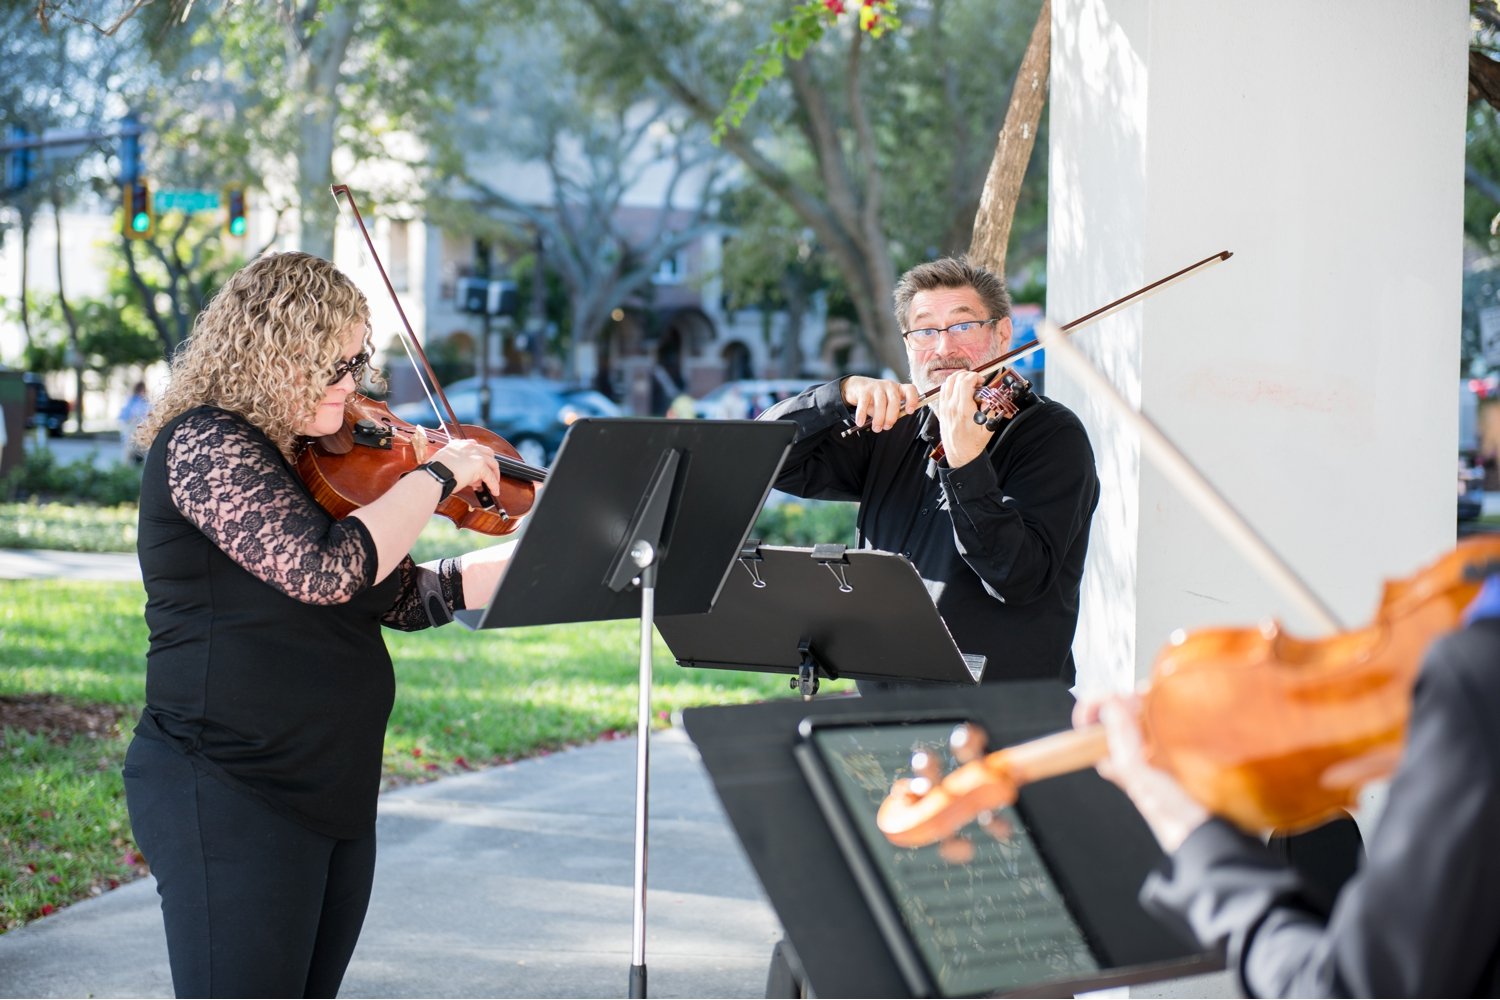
{"x":444,"y":475}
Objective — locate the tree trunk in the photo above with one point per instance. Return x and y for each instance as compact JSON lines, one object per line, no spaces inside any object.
{"x":317,"y":72}
{"x":25,"y":274}
{"x":997,"y":206}
{"x":164,"y":334}
{"x":75,"y":354}
{"x":796,"y":307}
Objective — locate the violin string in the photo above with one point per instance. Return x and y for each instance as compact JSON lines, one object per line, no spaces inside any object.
{"x":505,"y":462}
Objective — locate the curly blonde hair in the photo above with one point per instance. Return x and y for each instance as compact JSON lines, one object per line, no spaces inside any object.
{"x":264,"y":347}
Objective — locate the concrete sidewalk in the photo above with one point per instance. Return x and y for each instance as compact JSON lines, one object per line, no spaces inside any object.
{"x":511,"y":882}
{"x":37,"y":564}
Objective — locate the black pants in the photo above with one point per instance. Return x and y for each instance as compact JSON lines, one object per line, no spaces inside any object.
{"x":255,"y":905}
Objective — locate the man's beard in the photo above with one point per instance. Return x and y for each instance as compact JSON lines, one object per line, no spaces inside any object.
{"x":926,"y":381}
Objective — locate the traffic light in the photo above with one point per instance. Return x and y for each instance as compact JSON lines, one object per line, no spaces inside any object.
{"x":234,"y":211}
{"x":140,"y":221}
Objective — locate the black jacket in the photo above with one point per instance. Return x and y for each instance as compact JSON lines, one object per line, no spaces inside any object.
{"x":1000,"y":542}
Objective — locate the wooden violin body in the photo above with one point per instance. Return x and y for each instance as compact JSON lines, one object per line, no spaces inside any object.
{"x":374,"y":449}
{"x":1262,"y":728}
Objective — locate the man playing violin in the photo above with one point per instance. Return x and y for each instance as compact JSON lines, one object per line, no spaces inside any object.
{"x":1419,"y":919}
{"x":998,"y":526}
{"x":253,"y":775}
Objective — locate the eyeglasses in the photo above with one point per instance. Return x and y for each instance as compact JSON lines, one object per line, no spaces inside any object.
{"x":354,"y":366}
{"x":966,"y":332}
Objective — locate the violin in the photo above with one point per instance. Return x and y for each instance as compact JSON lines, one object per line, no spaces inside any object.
{"x":374,"y":448}
{"x":1262,"y":728}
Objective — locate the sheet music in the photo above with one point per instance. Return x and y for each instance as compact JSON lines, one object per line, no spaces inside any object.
{"x":998,"y":921}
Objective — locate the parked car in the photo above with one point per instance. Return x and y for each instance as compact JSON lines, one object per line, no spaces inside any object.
{"x":1470,"y":490}
{"x":44,"y":411}
{"x":532,"y":414}
{"x":745,"y":399}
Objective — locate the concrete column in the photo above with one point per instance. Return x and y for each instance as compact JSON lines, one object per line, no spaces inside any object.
{"x":1311,"y":377}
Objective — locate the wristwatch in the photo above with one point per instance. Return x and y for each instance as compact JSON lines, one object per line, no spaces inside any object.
{"x":440,"y":472}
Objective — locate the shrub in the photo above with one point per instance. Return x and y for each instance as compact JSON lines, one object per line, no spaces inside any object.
{"x":806,"y":522}
{"x":42,"y":477}
{"x":67,"y":527}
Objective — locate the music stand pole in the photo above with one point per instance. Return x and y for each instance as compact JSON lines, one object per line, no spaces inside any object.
{"x":642,"y":787}
{"x":635,"y":567}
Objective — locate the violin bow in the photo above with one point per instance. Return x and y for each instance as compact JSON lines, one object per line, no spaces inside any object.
{"x":993,"y":365}
{"x":342,"y":195}
{"x":1186,"y":476}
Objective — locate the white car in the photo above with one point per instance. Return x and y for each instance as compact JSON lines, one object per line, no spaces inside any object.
{"x":746,"y":399}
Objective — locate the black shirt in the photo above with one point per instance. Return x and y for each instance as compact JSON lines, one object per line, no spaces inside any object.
{"x":266,"y":660}
{"x":999,"y":542}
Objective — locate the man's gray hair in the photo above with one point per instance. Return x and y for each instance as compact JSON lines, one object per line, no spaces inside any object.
{"x":952,"y":272}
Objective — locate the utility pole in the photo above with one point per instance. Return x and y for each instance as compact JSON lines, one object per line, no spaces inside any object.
{"x":482,"y":270}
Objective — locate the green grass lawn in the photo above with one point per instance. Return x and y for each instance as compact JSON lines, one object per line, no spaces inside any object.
{"x":464,"y":700}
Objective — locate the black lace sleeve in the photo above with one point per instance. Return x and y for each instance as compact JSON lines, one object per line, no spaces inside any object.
{"x":428,"y":597}
{"x":229,"y":480}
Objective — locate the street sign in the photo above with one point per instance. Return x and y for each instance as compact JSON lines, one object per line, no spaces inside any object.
{"x":186,"y":200}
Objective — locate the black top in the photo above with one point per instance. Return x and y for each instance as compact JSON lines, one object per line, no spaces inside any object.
{"x":266,"y":661}
{"x":999,"y":543}
{"x":1421,"y":918}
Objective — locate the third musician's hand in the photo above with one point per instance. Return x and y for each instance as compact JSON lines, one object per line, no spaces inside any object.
{"x":877,"y":402}
{"x":471,"y":463}
{"x":1167,"y":807}
{"x":963,"y":439}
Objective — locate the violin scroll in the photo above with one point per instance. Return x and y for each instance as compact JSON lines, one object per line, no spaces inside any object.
{"x":1001,"y":398}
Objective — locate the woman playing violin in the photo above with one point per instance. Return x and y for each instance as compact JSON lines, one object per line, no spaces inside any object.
{"x":253,"y":775}
{"x":1420,"y":919}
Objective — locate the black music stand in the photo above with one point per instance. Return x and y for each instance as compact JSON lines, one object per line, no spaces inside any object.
{"x":822,"y":613}
{"x":636,"y":511}
{"x":845,"y":923}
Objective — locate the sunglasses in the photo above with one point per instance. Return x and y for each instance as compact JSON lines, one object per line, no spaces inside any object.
{"x":354,"y":366}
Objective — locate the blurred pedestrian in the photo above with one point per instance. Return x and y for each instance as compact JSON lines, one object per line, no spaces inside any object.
{"x":132,"y":414}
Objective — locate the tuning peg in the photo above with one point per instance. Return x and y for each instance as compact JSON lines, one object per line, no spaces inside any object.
{"x":956,"y":850}
{"x":927,"y":771}
{"x":968,"y":741}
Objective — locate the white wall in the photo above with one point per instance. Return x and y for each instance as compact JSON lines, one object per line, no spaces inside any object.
{"x":1311,"y":376}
